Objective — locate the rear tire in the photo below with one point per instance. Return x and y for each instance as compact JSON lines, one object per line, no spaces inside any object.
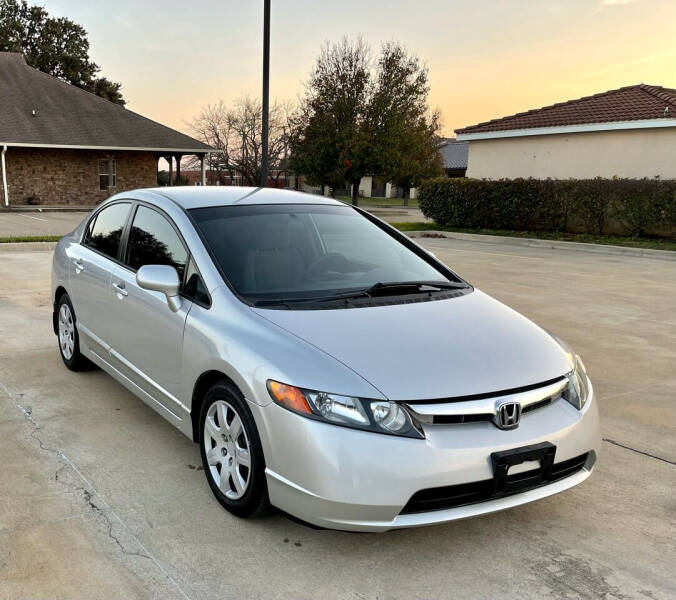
{"x":69,"y":340}
{"x":232,"y":454}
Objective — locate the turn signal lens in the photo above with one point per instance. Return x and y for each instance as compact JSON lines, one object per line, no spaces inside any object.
{"x":289,"y":396}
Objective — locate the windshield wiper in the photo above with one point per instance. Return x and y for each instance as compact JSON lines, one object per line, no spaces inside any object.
{"x":289,"y":301}
{"x":393,"y":288}
{"x":411,"y":287}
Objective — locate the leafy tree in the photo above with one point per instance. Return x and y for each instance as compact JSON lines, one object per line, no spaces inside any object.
{"x":359,"y":118}
{"x":110,"y":90}
{"x":56,"y":46}
{"x":330,"y":142}
{"x":406,"y":133}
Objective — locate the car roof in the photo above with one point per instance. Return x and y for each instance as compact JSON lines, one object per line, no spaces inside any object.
{"x":205,"y":196}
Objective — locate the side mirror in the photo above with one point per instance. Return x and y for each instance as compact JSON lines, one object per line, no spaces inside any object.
{"x":161,"y":278}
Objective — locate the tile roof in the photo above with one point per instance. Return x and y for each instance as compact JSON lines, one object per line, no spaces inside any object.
{"x":454,"y":153}
{"x":631,"y":103}
{"x":66,"y":115}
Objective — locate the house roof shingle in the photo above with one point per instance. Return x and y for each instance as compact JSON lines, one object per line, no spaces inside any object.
{"x":454,"y":153}
{"x":631,"y":103}
{"x":68,"y":116}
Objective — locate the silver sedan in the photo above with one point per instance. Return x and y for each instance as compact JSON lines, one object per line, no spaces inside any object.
{"x":325,"y":363}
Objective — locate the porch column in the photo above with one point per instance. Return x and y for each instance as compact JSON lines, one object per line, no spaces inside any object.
{"x":170,"y":160}
{"x":178,"y":168}
{"x":4,"y":177}
{"x":203,"y":168}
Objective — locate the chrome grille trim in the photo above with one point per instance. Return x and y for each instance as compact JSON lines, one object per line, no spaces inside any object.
{"x":473,"y":410}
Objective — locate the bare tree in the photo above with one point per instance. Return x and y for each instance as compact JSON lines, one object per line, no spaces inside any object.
{"x":236,"y":131}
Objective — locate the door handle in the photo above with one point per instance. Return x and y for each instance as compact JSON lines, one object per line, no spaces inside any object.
{"x":79,"y":265}
{"x":120,"y":289}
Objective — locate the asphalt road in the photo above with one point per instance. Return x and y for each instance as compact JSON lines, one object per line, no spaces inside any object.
{"x":101,"y":498}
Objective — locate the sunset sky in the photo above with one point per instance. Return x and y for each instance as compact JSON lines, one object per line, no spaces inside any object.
{"x":486,"y":58}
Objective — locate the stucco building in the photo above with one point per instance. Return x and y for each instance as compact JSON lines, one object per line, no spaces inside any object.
{"x":629,"y":132}
{"x":62,"y":145}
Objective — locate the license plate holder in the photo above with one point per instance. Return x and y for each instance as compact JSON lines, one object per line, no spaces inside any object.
{"x":543,"y":453}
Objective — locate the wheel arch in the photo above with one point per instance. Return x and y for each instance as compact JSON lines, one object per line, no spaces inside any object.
{"x":202,"y":385}
{"x":60,"y":291}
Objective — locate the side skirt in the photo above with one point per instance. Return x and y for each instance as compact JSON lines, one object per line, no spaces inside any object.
{"x":183,"y":424}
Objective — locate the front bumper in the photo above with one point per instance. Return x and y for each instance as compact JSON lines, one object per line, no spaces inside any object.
{"x":354,"y":480}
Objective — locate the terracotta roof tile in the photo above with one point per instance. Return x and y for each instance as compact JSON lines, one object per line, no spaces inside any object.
{"x":631,"y":103}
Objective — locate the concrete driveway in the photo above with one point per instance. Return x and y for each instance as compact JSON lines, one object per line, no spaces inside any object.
{"x":101,"y":498}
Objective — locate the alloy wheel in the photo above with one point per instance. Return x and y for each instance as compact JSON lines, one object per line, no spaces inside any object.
{"x":227,"y":450}
{"x":66,"y":331}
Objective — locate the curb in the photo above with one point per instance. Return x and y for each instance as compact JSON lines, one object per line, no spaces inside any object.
{"x":550,"y":244}
{"x":27,"y":247}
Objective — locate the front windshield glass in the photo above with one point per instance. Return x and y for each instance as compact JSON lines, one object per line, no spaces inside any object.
{"x":305,"y":251}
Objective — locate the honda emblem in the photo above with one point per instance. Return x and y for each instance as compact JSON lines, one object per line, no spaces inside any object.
{"x":508,"y":415}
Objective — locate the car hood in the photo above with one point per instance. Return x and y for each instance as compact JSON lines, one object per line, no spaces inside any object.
{"x":460,"y":346}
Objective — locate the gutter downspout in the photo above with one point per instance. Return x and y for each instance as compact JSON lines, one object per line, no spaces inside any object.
{"x":4,"y":176}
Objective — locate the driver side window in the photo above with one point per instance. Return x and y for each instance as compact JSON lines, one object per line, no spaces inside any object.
{"x":153,"y":241}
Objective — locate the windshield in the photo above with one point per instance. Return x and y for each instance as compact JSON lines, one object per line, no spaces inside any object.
{"x":288,"y":252}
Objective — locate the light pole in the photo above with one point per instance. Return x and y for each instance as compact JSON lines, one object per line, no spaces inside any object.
{"x":266,"y":93}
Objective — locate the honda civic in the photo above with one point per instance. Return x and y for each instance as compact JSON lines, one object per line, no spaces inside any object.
{"x":324,"y":362}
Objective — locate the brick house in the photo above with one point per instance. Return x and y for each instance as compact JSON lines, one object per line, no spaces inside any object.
{"x":62,"y":145}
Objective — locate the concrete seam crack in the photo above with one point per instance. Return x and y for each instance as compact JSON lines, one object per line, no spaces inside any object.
{"x":89,"y":492}
{"x":666,"y":460}
{"x":100,"y":511}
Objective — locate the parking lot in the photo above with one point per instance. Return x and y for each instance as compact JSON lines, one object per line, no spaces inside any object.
{"x":102,"y":498}
{"x":33,"y":222}
{"x":37,"y":223}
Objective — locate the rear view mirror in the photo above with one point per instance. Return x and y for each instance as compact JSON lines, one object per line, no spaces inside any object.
{"x":161,"y":278}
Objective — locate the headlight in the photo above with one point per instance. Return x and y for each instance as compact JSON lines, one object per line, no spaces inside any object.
{"x":577,"y":390}
{"x":381,"y":416}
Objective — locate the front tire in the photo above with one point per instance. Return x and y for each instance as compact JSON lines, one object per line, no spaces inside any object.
{"x":231,"y":451}
{"x":69,"y":340}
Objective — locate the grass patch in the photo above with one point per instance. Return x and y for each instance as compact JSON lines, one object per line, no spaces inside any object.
{"x":588,"y":238}
{"x":12,"y":239}
{"x":399,"y":202}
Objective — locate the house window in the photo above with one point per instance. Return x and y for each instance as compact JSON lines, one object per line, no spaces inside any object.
{"x":105,"y":180}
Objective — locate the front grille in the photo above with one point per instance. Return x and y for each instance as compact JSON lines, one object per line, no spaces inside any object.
{"x":483,"y":407}
{"x":537,"y":405}
{"x":474,"y":418}
{"x":443,"y":419}
{"x":452,"y":496}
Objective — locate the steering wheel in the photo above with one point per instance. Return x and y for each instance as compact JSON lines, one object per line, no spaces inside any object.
{"x":331,"y":261}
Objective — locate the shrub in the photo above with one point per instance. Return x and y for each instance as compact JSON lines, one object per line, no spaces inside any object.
{"x":621,"y":206}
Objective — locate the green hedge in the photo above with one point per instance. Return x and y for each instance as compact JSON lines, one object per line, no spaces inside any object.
{"x":640,"y":207}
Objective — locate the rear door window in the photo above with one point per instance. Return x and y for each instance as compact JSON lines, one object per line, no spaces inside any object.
{"x":154,"y":241}
{"x":105,"y":231}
